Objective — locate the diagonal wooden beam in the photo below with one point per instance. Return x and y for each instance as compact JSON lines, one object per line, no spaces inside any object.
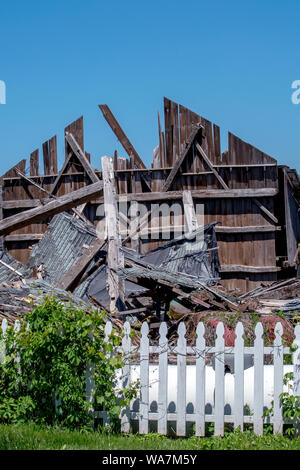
{"x":42,"y":212}
{"x":78,"y":268}
{"x":118,"y":131}
{"x":81,"y":157}
{"x":77,"y":212}
{"x":220,"y":179}
{"x":196,"y":131}
{"x":265,"y":210}
{"x":63,"y":169}
{"x":210,"y":165}
{"x":122,"y":137}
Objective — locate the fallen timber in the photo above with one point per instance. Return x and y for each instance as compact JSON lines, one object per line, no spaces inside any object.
{"x":41,"y":212}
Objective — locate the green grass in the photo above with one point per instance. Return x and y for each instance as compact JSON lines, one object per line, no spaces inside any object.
{"x":32,"y":437}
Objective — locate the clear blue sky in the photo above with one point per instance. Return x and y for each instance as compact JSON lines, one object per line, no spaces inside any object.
{"x":232,"y":62}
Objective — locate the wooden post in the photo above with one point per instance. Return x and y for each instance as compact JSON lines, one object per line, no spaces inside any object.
{"x":115,"y":257}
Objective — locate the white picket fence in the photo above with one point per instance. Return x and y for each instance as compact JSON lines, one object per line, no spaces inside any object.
{"x":185,"y":386}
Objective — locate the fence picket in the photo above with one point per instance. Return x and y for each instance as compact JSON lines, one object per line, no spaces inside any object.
{"x":126,"y":346}
{"x":296,"y":371}
{"x":107,"y":333}
{"x":163,"y":379}
{"x":200,"y":380}
{"x":181,"y":380}
{"x":17,"y":327}
{"x":4,"y":326}
{"x":239,"y":377}
{"x":258,"y":380}
{"x":219,"y":381}
{"x":144,"y":377}
{"x":89,"y":383}
{"x":278,"y":378}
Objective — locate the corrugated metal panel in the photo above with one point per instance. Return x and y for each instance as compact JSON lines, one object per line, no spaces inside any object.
{"x":61,"y":246}
{"x":193,"y":254}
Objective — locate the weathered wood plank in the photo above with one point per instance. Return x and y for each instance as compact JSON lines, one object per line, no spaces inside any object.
{"x":157,"y":196}
{"x":50,"y":156}
{"x":120,"y":134}
{"x":34,"y":163}
{"x":81,"y":157}
{"x":78,"y":212}
{"x":265,"y":210}
{"x":12,"y":172}
{"x":115,"y":257}
{"x":249,"y":229}
{"x":189,"y":211}
{"x":62,"y":171}
{"x":196,"y":131}
{"x":24,"y":237}
{"x":249,"y":269}
{"x":202,"y":194}
{"x":210,"y":165}
{"x":76,"y":129}
{"x":68,"y":201}
{"x":80,"y":265}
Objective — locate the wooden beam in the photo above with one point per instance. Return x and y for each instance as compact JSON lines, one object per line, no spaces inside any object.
{"x":81,"y":157}
{"x":265,"y":210}
{"x":66,"y":202}
{"x":246,"y":165}
{"x":77,"y":212}
{"x":63,"y":169}
{"x":196,"y":130}
{"x":248,"y":269}
{"x":78,"y":268}
{"x":201,"y":194}
{"x":11,"y":268}
{"x":115,"y":257}
{"x":120,"y":134}
{"x":189,"y":211}
{"x":210,"y":165}
{"x":157,"y":196}
{"x":247,"y":229}
{"x":23,"y":203}
{"x":24,"y":237}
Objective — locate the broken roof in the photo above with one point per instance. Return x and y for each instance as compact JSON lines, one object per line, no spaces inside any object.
{"x":62,"y":246}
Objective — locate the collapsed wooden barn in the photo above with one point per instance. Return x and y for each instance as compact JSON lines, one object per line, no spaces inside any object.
{"x":251,"y":197}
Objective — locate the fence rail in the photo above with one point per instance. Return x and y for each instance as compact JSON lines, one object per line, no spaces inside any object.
{"x":194,"y":391}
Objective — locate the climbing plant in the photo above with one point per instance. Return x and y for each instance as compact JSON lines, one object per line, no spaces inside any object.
{"x":43,"y":371}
